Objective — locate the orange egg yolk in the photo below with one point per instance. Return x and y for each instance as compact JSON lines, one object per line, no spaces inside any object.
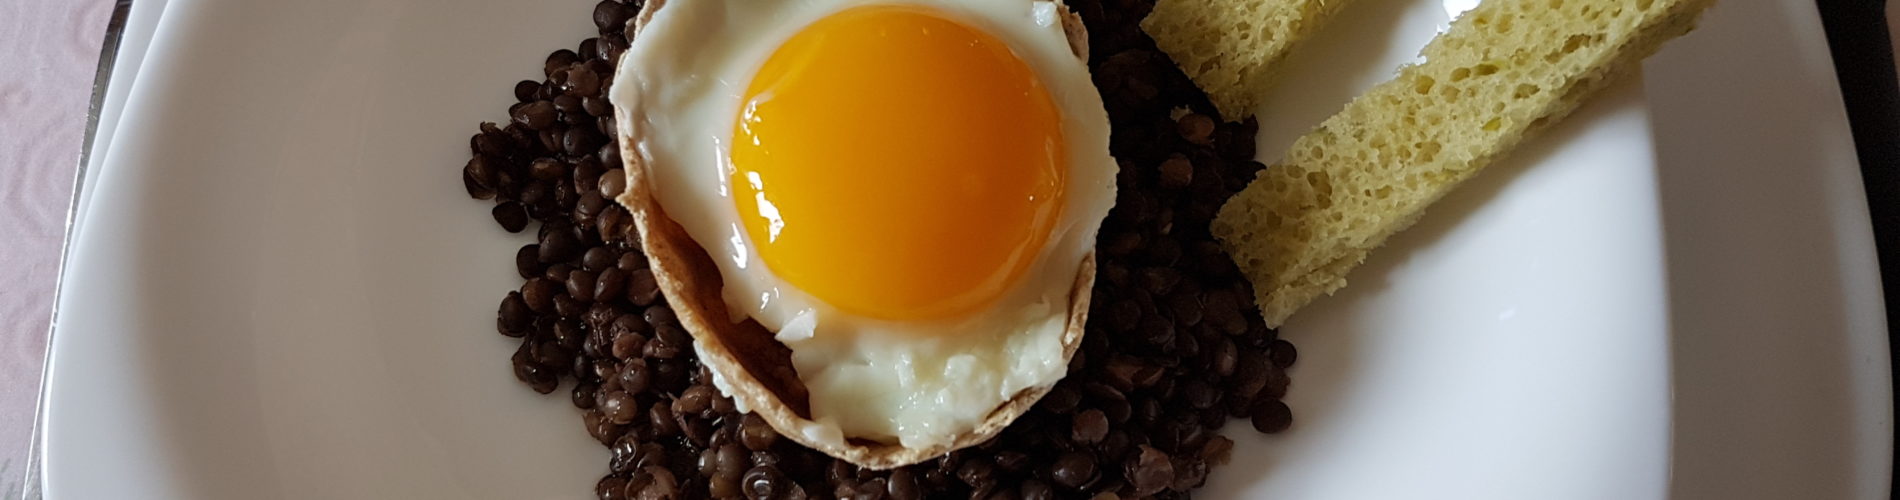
{"x":897,"y":164}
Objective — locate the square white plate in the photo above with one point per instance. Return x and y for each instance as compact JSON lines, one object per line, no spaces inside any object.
{"x":278,"y":289}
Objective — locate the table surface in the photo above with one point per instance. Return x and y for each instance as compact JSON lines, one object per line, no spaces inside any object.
{"x":52,"y":48}
{"x":46,"y":70}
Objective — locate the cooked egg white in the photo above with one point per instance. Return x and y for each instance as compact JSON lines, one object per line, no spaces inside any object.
{"x":902,"y":190}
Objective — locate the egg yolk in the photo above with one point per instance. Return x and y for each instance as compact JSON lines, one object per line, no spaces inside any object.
{"x":897,"y":164}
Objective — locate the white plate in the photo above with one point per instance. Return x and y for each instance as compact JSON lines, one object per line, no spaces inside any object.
{"x":279,"y":290}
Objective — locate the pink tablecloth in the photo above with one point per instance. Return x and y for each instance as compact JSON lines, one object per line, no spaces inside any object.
{"x":48,"y":49}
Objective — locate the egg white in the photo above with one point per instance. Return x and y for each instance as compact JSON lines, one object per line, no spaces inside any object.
{"x":916,"y":383}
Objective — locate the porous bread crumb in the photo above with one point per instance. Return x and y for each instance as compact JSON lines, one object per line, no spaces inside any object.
{"x":1501,"y":72}
{"x":1231,"y":48}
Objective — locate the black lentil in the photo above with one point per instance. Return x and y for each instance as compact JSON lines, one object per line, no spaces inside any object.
{"x":1173,"y":347}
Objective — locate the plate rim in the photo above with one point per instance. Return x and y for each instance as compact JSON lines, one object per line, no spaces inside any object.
{"x":113,"y":54}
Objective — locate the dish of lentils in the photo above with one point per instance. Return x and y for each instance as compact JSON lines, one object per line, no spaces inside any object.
{"x":1173,"y":347}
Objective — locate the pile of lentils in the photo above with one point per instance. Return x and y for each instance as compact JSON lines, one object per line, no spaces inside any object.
{"x":1172,"y":351}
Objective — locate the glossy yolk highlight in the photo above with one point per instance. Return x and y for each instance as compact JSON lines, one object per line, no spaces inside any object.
{"x":897,"y":164}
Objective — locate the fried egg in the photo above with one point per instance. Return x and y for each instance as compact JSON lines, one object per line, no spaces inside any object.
{"x":905,"y":193}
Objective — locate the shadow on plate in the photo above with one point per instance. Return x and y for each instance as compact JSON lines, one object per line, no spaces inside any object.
{"x":1760,"y":292}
